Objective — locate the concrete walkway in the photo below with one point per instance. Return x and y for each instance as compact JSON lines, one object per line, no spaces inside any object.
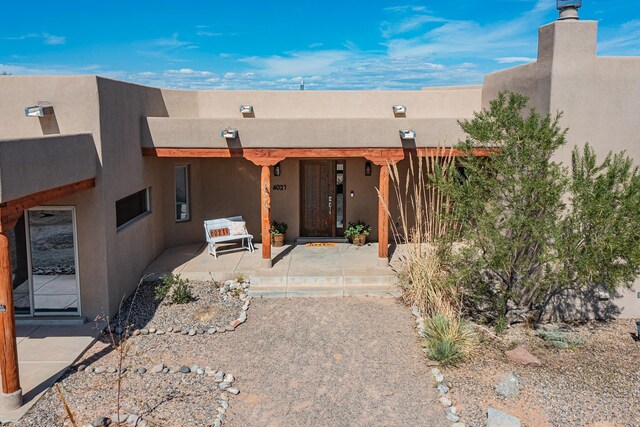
{"x":328,"y":362}
{"x":44,"y":354}
{"x":339,"y":269}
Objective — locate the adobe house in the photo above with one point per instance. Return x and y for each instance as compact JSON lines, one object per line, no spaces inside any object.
{"x":128,"y":171}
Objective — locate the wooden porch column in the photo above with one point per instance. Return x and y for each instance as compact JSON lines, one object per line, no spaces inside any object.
{"x":383,"y":217}
{"x":385,"y":162}
{"x":265,"y":202}
{"x":11,"y":397}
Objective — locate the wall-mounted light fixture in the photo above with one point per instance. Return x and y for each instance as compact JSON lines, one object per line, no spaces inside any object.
{"x":276,"y":169}
{"x":229,"y":133}
{"x":399,"y":110}
{"x":246,"y":109}
{"x":352,"y":194}
{"x":407,"y":134}
{"x":367,"y":169}
{"x":39,"y":110}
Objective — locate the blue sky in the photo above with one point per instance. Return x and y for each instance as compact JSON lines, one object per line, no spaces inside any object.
{"x":251,"y":44}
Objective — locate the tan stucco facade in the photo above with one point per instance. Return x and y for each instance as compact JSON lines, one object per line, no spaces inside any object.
{"x":100,"y":127}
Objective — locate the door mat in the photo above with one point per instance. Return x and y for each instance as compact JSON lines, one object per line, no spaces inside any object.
{"x":321,"y":245}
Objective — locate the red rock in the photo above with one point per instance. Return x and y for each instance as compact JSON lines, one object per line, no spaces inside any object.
{"x":234,"y":323}
{"x":522,"y":356}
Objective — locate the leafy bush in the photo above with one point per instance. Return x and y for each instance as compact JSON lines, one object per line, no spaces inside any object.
{"x":177,"y":289}
{"x":278,"y":228}
{"x":163,"y":288}
{"x":448,"y":340}
{"x":356,"y":229}
{"x":532,"y":229}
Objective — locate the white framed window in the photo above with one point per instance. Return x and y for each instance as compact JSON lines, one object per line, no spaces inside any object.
{"x":132,"y":207}
{"x":181,"y":180}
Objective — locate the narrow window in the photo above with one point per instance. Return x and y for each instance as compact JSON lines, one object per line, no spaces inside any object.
{"x":132,"y":207}
{"x":183,"y":212}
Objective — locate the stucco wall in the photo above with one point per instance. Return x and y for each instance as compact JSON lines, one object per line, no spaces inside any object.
{"x":75,"y":101}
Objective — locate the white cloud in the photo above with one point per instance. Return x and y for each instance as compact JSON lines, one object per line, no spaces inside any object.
{"x":46,"y":38}
{"x":298,"y":63}
{"x":208,"y":34}
{"x":53,"y":40}
{"x":514,"y":59}
{"x":621,"y":40}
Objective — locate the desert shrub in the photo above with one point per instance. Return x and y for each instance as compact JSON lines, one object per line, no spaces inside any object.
{"x":447,"y":339}
{"x":533,"y":229}
{"x":175,"y":289}
{"x":558,"y":338}
{"x":163,"y":288}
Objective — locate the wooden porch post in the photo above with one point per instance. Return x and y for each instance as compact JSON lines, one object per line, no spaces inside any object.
{"x":11,"y":393}
{"x":383,"y":217}
{"x":265,"y":201}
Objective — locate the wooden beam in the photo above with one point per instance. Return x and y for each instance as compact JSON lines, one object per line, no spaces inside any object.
{"x":8,"y":344}
{"x":383,"y":217}
{"x":265,"y":213}
{"x":379,"y":154}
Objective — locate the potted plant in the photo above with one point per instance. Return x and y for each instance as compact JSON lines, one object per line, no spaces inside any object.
{"x":278,"y":233}
{"x":357,"y":232}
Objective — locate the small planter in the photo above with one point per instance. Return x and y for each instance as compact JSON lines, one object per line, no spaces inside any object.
{"x":278,"y":240}
{"x":357,"y":232}
{"x":359,"y":240}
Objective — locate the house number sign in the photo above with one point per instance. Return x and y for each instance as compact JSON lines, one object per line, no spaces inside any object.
{"x":280,"y":187}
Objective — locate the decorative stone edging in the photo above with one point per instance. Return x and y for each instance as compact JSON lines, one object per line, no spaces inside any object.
{"x":223,"y":380}
{"x":227,"y":291}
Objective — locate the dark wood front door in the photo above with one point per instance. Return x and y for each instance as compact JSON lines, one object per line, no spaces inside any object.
{"x":317,"y":198}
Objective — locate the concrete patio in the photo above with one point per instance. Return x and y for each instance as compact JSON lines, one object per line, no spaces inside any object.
{"x":44,"y":354}
{"x":336,"y":269}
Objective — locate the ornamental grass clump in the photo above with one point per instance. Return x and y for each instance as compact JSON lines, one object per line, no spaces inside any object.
{"x":423,"y":231}
{"x":448,"y":339}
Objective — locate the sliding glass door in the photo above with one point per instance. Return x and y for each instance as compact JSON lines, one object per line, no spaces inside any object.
{"x":46,"y":246}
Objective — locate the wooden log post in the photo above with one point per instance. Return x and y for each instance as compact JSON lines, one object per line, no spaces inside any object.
{"x":383,"y":216}
{"x":265,"y":201}
{"x":11,"y":397}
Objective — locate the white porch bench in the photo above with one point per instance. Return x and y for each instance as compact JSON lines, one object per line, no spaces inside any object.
{"x":215,"y":233}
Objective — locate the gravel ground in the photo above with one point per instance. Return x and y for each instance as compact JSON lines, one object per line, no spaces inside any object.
{"x":297,"y":362}
{"x":149,"y":313}
{"x":597,"y":381}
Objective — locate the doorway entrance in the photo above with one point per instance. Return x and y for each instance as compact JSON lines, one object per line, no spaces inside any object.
{"x":322,"y":201}
{"x":44,"y":262}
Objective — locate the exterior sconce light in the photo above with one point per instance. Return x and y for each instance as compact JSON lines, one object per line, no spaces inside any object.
{"x":367,"y":169}
{"x":276,"y":169}
{"x":38,"y":110}
{"x":568,"y":9}
{"x":246,"y":109}
{"x":407,"y":134}
{"x":352,"y":194}
{"x":399,"y":110}
{"x":229,"y":133}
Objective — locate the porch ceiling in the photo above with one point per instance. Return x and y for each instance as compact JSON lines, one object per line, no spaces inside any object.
{"x":161,"y":132}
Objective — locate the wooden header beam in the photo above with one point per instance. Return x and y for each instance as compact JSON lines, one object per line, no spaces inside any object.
{"x":395,"y":154}
{"x":11,"y":211}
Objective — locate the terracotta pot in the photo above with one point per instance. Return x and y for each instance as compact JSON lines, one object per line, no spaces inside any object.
{"x":278,"y":240}
{"x":359,"y":240}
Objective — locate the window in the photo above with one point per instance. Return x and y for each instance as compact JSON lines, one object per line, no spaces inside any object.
{"x":183,"y":213}
{"x":132,"y":207}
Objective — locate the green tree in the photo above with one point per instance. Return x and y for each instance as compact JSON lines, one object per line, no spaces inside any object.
{"x":531,"y":229}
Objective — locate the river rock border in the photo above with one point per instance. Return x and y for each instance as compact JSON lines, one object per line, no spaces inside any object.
{"x":229,"y":289}
{"x":224,"y":381}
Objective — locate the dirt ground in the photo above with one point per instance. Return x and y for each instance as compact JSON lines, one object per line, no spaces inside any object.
{"x":597,"y":381}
